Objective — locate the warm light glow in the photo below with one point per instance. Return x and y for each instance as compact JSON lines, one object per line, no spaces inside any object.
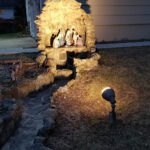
{"x":62,"y":15}
{"x":105,"y":89}
{"x":2,"y":11}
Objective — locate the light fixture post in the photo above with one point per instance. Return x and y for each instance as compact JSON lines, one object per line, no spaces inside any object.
{"x":109,"y":95}
{"x":112,"y":115}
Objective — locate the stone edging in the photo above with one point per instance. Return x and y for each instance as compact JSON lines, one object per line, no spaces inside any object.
{"x":48,"y":126}
{"x":10,"y":116}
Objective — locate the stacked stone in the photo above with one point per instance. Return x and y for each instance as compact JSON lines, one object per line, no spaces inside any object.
{"x":86,"y":64}
{"x":59,"y":16}
{"x":90,"y":32}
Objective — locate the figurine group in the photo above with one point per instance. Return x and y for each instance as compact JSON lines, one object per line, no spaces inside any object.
{"x":71,"y":38}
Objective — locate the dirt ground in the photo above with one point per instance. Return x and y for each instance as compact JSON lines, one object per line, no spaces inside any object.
{"x":82,"y":122}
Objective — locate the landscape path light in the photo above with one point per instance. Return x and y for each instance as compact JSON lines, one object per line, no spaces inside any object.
{"x":109,"y":95}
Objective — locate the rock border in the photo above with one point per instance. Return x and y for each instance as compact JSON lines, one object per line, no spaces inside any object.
{"x":48,"y":126}
{"x":10,"y":116}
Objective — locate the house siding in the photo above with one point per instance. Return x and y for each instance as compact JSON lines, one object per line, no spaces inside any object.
{"x":32,"y":10}
{"x":117,"y":20}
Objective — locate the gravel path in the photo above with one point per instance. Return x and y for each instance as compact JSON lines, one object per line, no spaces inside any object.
{"x":34,"y":111}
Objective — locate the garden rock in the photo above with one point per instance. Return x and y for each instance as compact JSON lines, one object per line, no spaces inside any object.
{"x":10,"y":116}
{"x":39,"y":147}
{"x":36,"y":118}
{"x":30,"y":85}
{"x":40,"y":59}
{"x":39,"y":139}
{"x":48,"y":124}
{"x":86,"y":64}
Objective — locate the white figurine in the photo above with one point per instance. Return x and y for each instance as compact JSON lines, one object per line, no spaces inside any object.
{"x":61,"y":38}
{"x":75,"y":37}
{"x":79,"y":41}
{"x":68,"y":38}
{"x":56,"y":42}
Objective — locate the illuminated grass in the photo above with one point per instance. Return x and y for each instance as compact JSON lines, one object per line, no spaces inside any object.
{"x":82,"y":113}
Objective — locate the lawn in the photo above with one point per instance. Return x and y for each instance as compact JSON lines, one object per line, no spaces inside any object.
{"x":13,"y":35}
{"x":82,"y":120}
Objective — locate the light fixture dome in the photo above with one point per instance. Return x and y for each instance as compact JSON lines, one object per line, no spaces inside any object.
{"x":109,"y":95}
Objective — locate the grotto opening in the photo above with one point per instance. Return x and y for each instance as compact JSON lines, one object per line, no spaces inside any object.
{"x":63,"y":27}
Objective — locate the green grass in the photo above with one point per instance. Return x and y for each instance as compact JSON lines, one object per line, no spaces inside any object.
{"x":82,"y":122}
{"x":12,"y":35}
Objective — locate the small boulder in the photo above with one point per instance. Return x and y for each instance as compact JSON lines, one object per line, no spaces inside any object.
{"x":39,"y":139}
{"x":40,"y":59}
{"x":38,"y":146}
{"x":48,"y":125}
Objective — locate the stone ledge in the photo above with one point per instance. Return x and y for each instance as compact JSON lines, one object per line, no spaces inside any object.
{"x":30,"y":85}
{"x":62,"y":72}
{"x":86,"y":64}
{"x":68,"y":49}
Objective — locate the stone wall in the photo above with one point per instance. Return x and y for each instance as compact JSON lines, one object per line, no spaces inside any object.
{"x":55,"y":18}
